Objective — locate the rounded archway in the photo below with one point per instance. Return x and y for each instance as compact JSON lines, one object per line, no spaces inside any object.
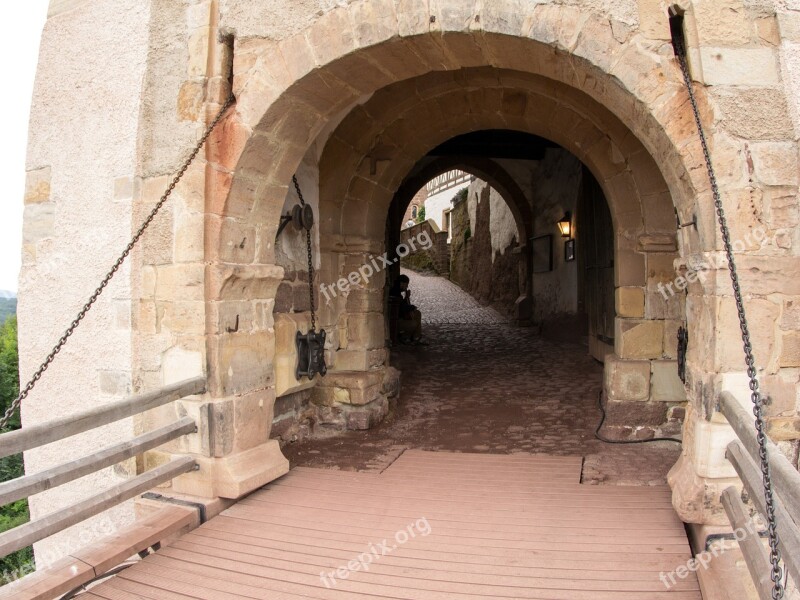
{"x":358,"y":117}
{"x":500,"y":180}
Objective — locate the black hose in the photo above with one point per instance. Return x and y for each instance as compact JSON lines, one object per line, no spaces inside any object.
{"x":607,"y":441}
{"x":82,"y":587}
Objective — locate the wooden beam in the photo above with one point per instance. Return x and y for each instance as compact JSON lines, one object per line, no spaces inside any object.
{"x":54,"y":581}
{"x":755,"y":555}
{"x":26,"y":438}
{"x":103,"y":555}
{"x":25,"y":535}
{"x":788,"y":532}
{"x":154,"y":528}
{"x":27,"y":486}
{"x":785,"y":477}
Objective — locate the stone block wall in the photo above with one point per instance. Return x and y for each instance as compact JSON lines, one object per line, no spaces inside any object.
{"x":436,"y":258}
{"x":486,"y":263}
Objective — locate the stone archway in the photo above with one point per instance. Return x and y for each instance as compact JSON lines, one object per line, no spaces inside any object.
{"x":386,"y":137}
{"x":357,"y":183}
{"x":615,"y":100}
{"x":499,"y":178}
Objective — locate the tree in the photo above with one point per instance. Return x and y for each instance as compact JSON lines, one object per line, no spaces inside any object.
{"x":421,"y":214}
{"x":21,"y":562}
{"x":9,"y":368}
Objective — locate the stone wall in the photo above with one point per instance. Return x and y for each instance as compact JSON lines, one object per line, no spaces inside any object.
{"x":484,"y":257}
{"x":460,"y":243}
{"x":436,"y":258}
{"x":556,"y":184}
{"x":82,"y":164}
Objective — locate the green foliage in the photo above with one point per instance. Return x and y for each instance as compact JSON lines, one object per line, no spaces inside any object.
{"x":467,"y":233}
{"x":19,"y":563}
{"x":419,"y":262}
{"x":460,"y":196}
{"x":8,"y":308}
{"x":9,"y":367}
{"x":421,"y":214}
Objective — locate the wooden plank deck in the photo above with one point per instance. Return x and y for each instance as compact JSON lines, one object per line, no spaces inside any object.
{"x":476,"y":527}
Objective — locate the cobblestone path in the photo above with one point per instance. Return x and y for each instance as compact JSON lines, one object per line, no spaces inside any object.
{"x":442,"y":301}
{"x":481,"y":385}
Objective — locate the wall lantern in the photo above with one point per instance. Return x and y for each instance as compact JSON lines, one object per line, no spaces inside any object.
{"x":565,"y":225}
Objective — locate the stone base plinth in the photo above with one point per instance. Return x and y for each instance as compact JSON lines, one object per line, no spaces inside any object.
{"x":348,"y":417}
{"x":235,"y":475}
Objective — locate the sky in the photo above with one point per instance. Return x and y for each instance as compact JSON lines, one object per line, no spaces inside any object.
{"x":20,"y":45}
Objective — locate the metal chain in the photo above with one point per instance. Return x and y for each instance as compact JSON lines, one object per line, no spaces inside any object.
{"x":775,"y":555}
{"x":310,"y":260}
{"x":93,"y":298}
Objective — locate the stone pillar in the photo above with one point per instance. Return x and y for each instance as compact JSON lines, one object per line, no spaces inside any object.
{"x":645,"y":395}
{"x":352,"y":394}
{"x":233,"y":447}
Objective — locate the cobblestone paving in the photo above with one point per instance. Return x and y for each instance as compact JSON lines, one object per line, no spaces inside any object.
{"x":442,"y":301}
{"x":490,"y":387}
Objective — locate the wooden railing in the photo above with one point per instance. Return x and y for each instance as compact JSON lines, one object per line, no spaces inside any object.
{"x":744,"y":456}
{"x":35,"y":436}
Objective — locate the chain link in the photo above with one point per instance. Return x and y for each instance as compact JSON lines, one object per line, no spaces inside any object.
{"x":310,"y":260}
{"x":775,"y":555}
{"x":93,"y":298}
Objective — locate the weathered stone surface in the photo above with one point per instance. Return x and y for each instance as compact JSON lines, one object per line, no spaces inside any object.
{"x":296,"y":68}
{"x":775,"y":163}
{"x":639,"y":338}
{"x":630,"y":271}
{"x":39,"y":222}
{"x":37,"y":186}
{"x":671,"y":338}
{"x":790,"y":315}
{"x":301,"y":300}
{"x":783,"y":429}
{"x":665,"y":384}
{"x":780,"y":393}
{"x":242,"y":360}
{"x":627,"y":380}
{"x":115,"y":383}
{"x":790,"y":349}
{"x":284,"y":298}
{"x":652,"y":23}
{"x":190,"y":101}
{"x":762,"y":316}
{"x":643,"y":413}
{"x":391,"y":383}
{"x":755,"y":113}
{"x":357,"y":388}
{"x":630,"y":302}
{"x":695,"y":498}
{"x":235,"y":475}
{"x":56,"y":7}
{"x":365,"y":330}
{"x":366,"y":417}
{"x":740,"y":66}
